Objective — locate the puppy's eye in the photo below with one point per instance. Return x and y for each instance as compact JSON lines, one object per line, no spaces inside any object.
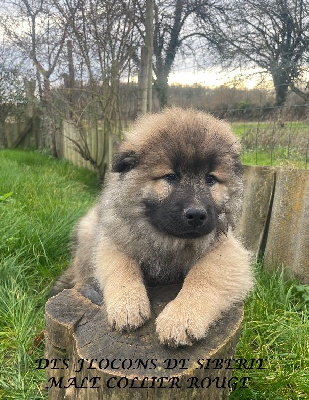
{"x":170,"y":177}
{"x":211,"y":180}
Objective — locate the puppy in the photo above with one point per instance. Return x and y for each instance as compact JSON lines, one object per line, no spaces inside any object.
{"x":167,"y":214}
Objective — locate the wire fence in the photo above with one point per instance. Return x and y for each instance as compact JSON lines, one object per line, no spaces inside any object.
{"x":276,"y":136}
{"x":270,"y":135}
{"x":274,"y":143}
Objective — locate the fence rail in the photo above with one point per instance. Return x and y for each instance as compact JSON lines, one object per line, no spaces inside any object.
{"x":270,"y":136}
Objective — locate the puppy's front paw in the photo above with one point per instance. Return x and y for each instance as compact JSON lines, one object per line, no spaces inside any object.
{"x":179,"y":324}
{"x":127,"y":309}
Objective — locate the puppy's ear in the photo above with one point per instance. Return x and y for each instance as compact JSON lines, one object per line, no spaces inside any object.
{"x":125,"y":161}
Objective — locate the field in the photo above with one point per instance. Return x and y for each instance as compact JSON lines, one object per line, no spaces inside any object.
{"x":274,"y":143}
{"x":40,"y":201}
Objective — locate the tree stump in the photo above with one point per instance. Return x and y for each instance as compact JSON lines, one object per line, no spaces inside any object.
{"x":85,"y":359}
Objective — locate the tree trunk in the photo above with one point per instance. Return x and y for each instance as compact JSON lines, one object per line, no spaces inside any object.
{"x":49,"y":119}
{"x":3,"y":138}
{"x":149,"y":45}
{"x":281,"y":83}
{"x":71,"y":78}
{"x":97,"y":363}
{"x":4,"y":112}
{"x":161,"y":88}
{"x":143,"y":82}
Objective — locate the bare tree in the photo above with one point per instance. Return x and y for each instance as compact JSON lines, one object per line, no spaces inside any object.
{"x":145,"y":63}
{"x":88,"y":43}
{"x":104,"y":41}
{"x":41,"y":39}
{"x":173,"y":27}
{"x":270,"y":34}
{"x":171,"y":30}
{"x":12,"y":91}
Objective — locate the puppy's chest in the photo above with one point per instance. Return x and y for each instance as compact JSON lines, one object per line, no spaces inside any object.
{"x":165,"y":270}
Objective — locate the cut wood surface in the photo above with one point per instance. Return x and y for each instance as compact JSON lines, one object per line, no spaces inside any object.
{"x":96,"y":362}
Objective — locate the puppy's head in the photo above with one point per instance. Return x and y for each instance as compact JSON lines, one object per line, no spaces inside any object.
{"x":183,"y":167}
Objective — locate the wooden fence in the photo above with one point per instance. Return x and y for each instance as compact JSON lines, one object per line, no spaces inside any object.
{"x":24,"y":132}
{"x":275,"y":219}
{"x":67,"y":149}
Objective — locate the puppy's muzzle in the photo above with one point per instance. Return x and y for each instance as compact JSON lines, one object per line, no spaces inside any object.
{"x":195,"y":217}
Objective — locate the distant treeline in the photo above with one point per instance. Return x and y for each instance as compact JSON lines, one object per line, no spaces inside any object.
{"x":235,"y":103}
{"x":232,"y":103}
{"x":223,"y":101}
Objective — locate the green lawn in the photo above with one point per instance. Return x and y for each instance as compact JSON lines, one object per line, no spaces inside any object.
{"x":240,"y":128}
{"x":40,"y":201}
{"x":273,"y":143}
{"x":275,"y":329}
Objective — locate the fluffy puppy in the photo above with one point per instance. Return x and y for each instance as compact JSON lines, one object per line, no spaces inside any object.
{"x":167,"y":214}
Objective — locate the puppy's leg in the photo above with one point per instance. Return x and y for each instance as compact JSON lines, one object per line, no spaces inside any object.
{"x":66,"y":281}
{"x":218,"y":280}
{"x":124,"y":293}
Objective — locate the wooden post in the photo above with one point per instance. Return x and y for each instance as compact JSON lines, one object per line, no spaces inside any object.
{"x":71,"y":78}
{"x":259,"y":185}
{"x":274,"y":224}
{"x":149,"y":45}
{"x":145,"y":70}
{"x":143,"y":82}
{"x":288,"y":234}
{"x":94,"y":362}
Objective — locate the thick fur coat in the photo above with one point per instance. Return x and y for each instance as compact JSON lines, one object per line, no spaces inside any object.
{"x":167,"y":214}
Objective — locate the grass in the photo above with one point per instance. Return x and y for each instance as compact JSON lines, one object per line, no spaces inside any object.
{"x":274,"y":143}
{"x":40,"y":201}
{"x":276,"y":329}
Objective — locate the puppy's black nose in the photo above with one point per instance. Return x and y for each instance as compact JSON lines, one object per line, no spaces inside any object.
{"x":195,"y":216}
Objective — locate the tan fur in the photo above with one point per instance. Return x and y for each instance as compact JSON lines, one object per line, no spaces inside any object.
{"x":124,"y":293}
{"x":147,"y":128}
{"x":119,"y":245}
{"x":206,"y":292}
